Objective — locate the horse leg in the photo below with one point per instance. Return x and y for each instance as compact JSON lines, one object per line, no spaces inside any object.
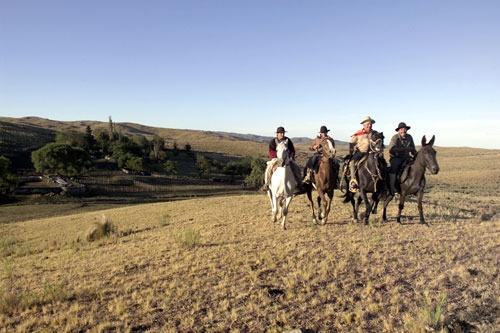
{"x":368,"y":207}
{"x":420,"y":196}
{"x":321,"y":211}
{"x":374,"y":205}
{"x":328,"y":205}
{"x":311,"y":204}
{"x":286,"y":203}
{"x":356,"y":202}
{"x":274,"y":207}
{"x":401,"y":205}
{"x":386,"y":203}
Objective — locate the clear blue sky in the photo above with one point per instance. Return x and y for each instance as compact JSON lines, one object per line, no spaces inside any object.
{"x":251,"y":66}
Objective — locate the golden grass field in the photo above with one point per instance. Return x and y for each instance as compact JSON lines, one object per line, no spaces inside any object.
{"x":218,"y":264}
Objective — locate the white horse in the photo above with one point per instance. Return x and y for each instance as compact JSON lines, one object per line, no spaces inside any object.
{"x":282,"y":184}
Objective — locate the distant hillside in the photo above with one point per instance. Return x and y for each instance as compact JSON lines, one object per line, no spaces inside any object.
{"x":30,"y":133}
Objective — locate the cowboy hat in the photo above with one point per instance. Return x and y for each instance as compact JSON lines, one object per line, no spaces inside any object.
{"x":367,"y":118}
{"x":323,"y":129}
{"x":402,"y":125}
{"x":280,"y":129}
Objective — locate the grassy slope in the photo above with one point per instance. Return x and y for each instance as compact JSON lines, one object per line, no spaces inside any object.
{"x":245,"y":274}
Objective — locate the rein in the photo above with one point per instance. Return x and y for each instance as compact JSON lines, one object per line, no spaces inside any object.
{"x":376,"y":153}
{"x":375,"y":176}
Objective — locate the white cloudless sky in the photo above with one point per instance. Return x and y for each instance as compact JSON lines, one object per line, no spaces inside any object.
{"x":251,"y":66}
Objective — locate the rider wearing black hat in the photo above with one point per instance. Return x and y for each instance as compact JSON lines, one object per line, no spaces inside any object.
{"x":401,"y":150}
{"x":280,"y":136}
{"x":317,"y":146}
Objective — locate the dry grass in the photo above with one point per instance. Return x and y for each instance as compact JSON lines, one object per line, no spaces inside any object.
{"x":219,"y":264}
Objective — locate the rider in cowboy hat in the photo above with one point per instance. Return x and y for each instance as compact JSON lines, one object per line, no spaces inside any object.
{"x":280,"y":136}
{"x":358,"y":147}
{"x":317,"y":146}
{"x":401,"y":150}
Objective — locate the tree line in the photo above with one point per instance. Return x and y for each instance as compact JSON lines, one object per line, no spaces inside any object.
{"x":73,"y":152}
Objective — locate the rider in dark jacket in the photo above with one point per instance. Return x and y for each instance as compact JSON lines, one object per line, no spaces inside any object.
{"x":401,"y":150}
{"x":280,"y":136}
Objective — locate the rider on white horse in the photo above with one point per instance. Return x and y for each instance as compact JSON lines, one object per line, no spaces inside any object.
{"x":280,"y":137}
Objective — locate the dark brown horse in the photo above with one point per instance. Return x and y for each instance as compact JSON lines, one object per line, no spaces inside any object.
{"x":413,"y":178}
{"x":372,"y":171}
{"x":324,"y":181}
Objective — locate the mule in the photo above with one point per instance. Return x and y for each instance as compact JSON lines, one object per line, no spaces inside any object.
{"x":413,"y":179}
{"x":281,"y":186}
{"x":372,"y":173}
{"x":324,"y":181}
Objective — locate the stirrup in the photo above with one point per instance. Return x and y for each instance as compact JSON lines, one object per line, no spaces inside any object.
{"x":264,"y":187}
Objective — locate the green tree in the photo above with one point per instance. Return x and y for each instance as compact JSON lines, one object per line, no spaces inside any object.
{"x":256,"y":176}
{"x":71,"y":137}
{"x":170,"y":167}
{"x":141,"y":145}
{"x":157,"y":147}
{"x":61,"y":158}
{"x":135,"y":163}
{"x":103,"y":141}
{"x":89,"y":143}
{"x":7,"y":180}
{"x":204,"y":164}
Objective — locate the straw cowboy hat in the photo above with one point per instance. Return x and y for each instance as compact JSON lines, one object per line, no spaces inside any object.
{"x":367,"y":118}
{"x":323,"y":129}
{"x":402,"y":125}
{"x":280,"y":129}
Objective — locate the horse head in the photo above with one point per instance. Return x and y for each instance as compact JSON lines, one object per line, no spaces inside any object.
{"x":282,"y":153}
{"x":377,"y":142}
{"x":429,"y":155}
{"x":328,"y":149}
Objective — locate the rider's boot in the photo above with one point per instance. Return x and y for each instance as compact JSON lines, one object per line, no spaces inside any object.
{"x":307,"y":177}
{"x":267,"y":178}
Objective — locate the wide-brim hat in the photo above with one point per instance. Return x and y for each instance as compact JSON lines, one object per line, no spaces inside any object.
{"x":367,"y":118}
{"x":323,"y":129}
{"x":280,"y":129}
{"x":402,"y":125}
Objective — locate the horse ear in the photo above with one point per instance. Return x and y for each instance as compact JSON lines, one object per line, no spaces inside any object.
{"x":424,"y":141}
{"x":431,"y":142}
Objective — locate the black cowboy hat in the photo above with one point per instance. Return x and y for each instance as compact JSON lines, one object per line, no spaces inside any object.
{"x":402,"y":125}
{"x":280,"y":129}
{"x":323,"y":129}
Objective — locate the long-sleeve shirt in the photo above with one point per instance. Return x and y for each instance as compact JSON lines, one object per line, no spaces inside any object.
{"x":274,"y":142}
{"x":401,"y":147}
{"x":317,"y":143}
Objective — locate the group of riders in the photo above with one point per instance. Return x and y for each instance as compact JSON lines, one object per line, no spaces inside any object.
{"x":401,"y":150}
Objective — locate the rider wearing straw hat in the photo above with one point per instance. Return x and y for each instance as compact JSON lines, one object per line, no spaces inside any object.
{"x":358,"y":147}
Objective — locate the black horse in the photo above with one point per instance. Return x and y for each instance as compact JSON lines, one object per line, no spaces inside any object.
{"x":372,"y":173}
{"x":413,"y":178}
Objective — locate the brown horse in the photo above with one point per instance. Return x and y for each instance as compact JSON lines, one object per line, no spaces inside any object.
{"x":372,"y":170}
{"x":413,"y":179}
{"x":324,"y":181}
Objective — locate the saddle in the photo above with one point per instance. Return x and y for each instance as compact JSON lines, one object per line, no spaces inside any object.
{"x":404,"y":172}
